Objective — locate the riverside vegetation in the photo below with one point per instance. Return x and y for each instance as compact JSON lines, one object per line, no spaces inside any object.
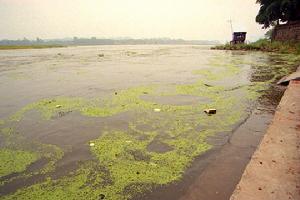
{"x":288,"y":47}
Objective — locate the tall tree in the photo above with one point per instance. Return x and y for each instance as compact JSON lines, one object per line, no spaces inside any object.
{"x":273,"y":11}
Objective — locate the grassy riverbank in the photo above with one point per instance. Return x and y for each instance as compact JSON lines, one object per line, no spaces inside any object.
{"x":264,"y":45}
{"x":12,"y":47}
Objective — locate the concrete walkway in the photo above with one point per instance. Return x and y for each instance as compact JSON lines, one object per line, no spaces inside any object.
{"x":274,"y":170}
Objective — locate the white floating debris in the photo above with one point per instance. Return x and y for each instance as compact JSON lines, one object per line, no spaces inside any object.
{"x":128,"y":141}
{"x":153,"y":164}
{"x":157,"y":110}
{"x":92,"y":144}
{"x":58,"y":106}
{"x":210,"y":111}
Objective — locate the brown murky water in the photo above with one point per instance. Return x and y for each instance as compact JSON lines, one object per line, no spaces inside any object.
{"x":28,"y":76}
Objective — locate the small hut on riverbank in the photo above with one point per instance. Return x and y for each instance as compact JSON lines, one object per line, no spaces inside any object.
{"x":238,"y":38}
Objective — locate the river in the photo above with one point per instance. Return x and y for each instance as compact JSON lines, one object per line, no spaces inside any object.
{"x":128,"y":122}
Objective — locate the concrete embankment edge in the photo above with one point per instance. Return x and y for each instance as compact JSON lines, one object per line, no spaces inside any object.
{"x":274,"y":169}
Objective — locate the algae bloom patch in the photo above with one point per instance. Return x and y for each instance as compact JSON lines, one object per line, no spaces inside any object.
{"x":12,"y":161}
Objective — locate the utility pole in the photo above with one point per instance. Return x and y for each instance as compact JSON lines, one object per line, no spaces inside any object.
{"x":230,"y":21}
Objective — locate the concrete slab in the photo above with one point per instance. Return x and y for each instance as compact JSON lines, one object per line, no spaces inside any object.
{"x":274,"y":169}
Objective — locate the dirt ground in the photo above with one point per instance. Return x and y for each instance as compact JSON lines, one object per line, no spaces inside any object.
{"x":274,"y":170}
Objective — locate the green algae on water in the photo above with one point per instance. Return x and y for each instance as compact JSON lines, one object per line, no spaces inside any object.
{"x":17,"y":144}
{"x":121,"y":102}
{"x":13,"y":161}
{"x":125,"y":164}
{"x":73,"y":186}
{"x":7,"y":131}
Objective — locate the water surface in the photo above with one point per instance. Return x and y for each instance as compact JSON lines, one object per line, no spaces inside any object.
{"x":122,"y":122}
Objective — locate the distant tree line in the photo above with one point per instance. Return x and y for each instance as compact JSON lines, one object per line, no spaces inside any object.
{"x":95,"y":41}
{"x":272,"y":12}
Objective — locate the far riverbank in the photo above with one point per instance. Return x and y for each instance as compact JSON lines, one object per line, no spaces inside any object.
{"x":13,"y":47}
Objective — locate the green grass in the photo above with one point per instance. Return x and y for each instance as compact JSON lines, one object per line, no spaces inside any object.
{"x":13,"y":47}
{"x":264,"y":45}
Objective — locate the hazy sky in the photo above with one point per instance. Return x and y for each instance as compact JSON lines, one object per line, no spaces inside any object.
{"x":187,"y":19}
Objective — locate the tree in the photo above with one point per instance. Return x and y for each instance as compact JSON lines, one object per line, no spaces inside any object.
{"x":273,"y":11}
